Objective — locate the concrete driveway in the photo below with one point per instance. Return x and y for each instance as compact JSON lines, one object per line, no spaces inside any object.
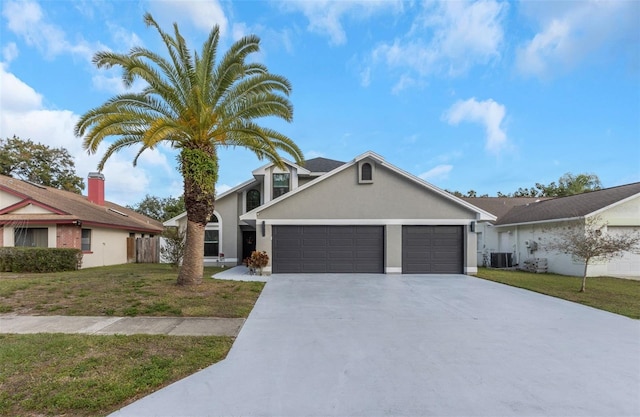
{"x":380,"y":345}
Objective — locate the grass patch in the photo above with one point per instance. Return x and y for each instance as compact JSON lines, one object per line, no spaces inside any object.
{"x":81,"y":375}
{"x":620,"y":296}
{"x":125,"y":290}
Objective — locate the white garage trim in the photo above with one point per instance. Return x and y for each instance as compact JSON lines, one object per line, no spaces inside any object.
{"x":368,"y":222}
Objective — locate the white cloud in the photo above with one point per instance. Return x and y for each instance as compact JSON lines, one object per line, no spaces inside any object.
{"x":25,"y":19}
{"x":325,"y":17}
{"x":123,"y":38}
{"x":17,"y":95}
{"x":202,"y":14}
{"x":23,"y":114}
{"x":10,"y":52}
{"x":488,"y":113}
{"x":571,"y":33}
{"x":447,"y":37}
{"x":440,"y":172}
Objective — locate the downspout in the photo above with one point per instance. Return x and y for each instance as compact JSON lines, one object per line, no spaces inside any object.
{"x":517,"y":249}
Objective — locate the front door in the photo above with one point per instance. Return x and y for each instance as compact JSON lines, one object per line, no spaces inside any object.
{"x":248,"y":243}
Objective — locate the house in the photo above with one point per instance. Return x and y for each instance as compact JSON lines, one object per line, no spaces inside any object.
{"x":35,"y":215}
{"x":522,"y":228}
{"x":362,"y":216}
{"x":489,"y":240}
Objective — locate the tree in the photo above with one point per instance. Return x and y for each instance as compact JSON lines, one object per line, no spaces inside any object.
{"x":159,"y":208}
{"x":173,"y":249}
{"x":195,"y":105}
{"x":589,"y":241}
{"x":570,"y":184}
{"x":38,"y":163}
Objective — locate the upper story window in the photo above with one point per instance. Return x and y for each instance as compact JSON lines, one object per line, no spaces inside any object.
{"x":280,"y":184}
{"x":253,"y":199}
{"x":86,"y":240}
{"x":31,"y":237}
{"x":365,"y":173}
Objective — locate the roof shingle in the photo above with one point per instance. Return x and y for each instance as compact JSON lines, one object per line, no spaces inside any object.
{"x":578,"y":205}
{"x":74,"y":207}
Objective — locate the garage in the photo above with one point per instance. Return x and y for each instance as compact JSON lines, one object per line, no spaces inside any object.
{"x":432,"y":250}
{"x":336,"y":249}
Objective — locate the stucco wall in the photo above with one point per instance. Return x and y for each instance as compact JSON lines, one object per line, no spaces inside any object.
{"x":108,"y":247}
{"x":7,"y":199}
{"x":391,"y":201}
{"x":625,"y":214}
{"x":390,"y":196}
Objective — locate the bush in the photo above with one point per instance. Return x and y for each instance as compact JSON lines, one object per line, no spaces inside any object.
{"x":39,"y":259}
{"x":173,"y":249}
{"x":257,"y":261}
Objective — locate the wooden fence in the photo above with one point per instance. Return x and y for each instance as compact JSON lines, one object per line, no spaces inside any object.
{"x":143,"y":250}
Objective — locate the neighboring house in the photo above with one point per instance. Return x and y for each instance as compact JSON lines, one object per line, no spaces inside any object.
{"x":365,"y":215}
{"x":34,"y":215}
{"x":522,"y":230}
{"x":489,"y":240}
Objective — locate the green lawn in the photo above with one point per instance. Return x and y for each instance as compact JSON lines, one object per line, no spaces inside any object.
{"x":125,"y":290}
{"x":80,"y":375}
{"x":620,"y":296}
{"x":88,"y":375}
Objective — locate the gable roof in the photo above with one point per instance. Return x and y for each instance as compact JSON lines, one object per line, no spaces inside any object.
{"x":482,"y":214}
{"x":571,"y":207}
{"x":322,"y":164}
{"x":69,"y":207}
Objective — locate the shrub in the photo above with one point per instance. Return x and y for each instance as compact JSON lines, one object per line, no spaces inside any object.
{"x":39,"y":259}
{"x":173,"y":249}
{"x":258,"y":260}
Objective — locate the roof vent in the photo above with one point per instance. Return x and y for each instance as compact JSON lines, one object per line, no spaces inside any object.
{"x":119,"y":212}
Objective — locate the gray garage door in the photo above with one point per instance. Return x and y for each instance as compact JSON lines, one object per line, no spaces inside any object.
{"x":345,"y":249}
{"x":432,"y":250}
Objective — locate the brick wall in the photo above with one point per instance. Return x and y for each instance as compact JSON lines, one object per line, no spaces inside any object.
{"x":68,"y":236}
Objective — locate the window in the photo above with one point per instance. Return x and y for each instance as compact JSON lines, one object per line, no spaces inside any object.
{"x":367,"y":175}
{"x":86,"y":240}
{"x":31,"y":237}
{"x":211,"y":247}
{"x":253,"y":199}
{"x":280,"y":184}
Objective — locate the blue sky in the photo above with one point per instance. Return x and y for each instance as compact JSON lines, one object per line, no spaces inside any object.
{"x":486,"y":95}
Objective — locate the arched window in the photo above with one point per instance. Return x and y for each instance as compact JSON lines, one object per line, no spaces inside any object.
{"x":253,"y":199}
{"x":367,"y":172}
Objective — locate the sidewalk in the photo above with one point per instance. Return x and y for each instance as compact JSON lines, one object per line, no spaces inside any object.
{"x":173,"y":326}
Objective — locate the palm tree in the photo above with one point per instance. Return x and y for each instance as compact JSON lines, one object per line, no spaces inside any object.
{"x":196,"y":106}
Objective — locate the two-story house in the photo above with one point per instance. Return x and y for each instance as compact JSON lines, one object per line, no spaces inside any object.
{"x":365,"y":215}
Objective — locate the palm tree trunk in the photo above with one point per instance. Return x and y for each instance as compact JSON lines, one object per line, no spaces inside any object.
{"x":192,"y":268}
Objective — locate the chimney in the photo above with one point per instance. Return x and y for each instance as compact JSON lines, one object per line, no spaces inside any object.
{"x":96,"y":188}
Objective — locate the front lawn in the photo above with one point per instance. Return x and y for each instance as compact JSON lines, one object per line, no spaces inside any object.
{"x":125,"y":290}
{"x":620,"y":296}
{"x":81,"y":375}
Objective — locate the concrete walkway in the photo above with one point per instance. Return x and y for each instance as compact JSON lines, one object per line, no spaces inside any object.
{"x":380,"y":345}
{"x":173,"y":326}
